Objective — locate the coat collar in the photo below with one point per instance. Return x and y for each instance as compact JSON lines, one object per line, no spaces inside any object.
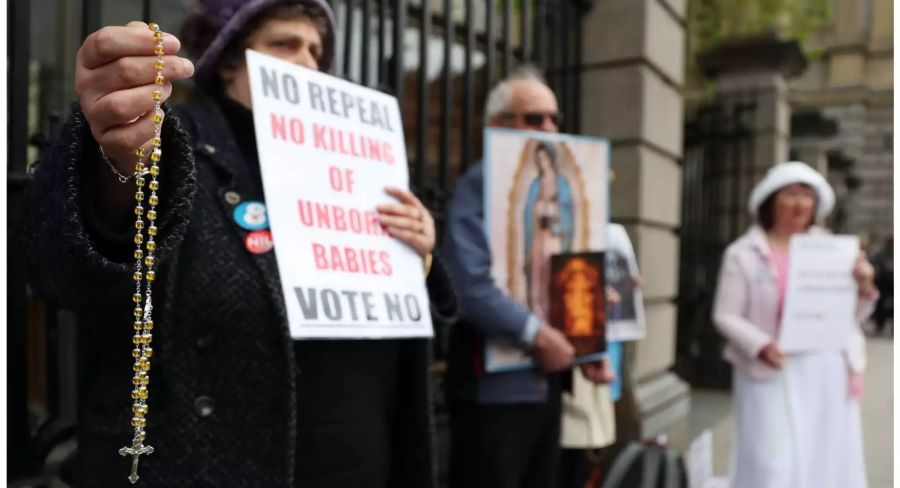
{"x":758,"y":240}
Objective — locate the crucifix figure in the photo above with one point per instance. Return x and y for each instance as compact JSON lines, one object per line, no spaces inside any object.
{"x":136,"y":449}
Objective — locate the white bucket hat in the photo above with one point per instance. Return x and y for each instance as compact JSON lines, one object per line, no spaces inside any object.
{"x":784,"y":174}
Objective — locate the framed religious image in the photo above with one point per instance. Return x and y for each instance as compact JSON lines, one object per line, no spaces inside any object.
{"x":577,"y":302}
{"x":545,"y":195}
{"x":625,"y":317}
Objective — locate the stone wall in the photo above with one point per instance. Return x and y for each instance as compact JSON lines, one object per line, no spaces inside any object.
{"x":632,"y":77}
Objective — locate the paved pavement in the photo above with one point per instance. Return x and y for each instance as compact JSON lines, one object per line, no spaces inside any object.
{"x":711,"y":409}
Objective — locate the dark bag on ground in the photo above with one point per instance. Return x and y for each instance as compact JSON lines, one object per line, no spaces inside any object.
{"x":646,"y":466}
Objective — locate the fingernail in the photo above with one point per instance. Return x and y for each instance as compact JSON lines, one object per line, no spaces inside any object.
{"x":188,"y":66}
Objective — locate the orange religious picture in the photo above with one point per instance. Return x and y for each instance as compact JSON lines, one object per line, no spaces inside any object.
{"x":578,"y":305}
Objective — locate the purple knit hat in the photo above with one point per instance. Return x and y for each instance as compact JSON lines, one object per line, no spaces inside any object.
{"x":233,"y":15}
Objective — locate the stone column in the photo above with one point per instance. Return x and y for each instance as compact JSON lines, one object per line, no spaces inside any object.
{"x":632,"y":76}
{"x":751,"y":74}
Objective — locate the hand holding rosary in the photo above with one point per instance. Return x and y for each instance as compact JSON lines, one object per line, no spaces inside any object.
{"x":144,"y":272}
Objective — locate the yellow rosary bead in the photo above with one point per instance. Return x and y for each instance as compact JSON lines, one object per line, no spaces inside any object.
{"x":144,"y":364}
{"x":155,"y":156}
{"x":148,"y":325}
{"x":138,"y":254}
{"x":138,"y":224}
{"x":135,"y":353}
{"x":137,"y":312}
{"x":154,"y":185}
{"x":139,"y":168}
{"x":152,"y":213}
{"x":159,"y":81}
{"x":158,"y":36}
{"x":159,"y":50}
{"x":157,"y":117}
{"x":139,"y":409}
{"x":136,"y":340}
{"x":151,"y":275}
{"x":139,"y":210}
{"x":149,"y":260}
{"x":157,"y":95}
{"x":138,"y":238}
{"x":138,"y":325}
{"x":138,"y":422}
{"x":137,"y":276}
{"x":154,"y":199}
{"x":148,"y":338}
{"x":142,"y":378}
{"x":151,"y":246}
{"x":139,"y":181}
{"x":152,"y":230}
{"x":153,"y":26}
{"x":139,"y":152}
{"x":136,"y":297}
{"x":156,"y":141}
{"x":139,"y":196}
{"x":159,"y":64}
{"x":148,"y":352}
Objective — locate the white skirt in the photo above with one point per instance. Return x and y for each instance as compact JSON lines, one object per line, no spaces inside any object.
{"x":799,"y":429}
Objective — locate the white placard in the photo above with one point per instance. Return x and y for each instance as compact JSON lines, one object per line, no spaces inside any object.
{"x":513,"y":179}
{"x":820,"y":305}
{"x":625,"y":319}
{"x":327,"y":149}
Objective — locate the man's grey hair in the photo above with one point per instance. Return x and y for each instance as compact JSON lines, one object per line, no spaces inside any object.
{"x":499,"y":98}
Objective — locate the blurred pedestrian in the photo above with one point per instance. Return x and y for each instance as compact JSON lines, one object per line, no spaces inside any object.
{"x":797,"y":420}
{"x":235,"y":401}
{"x":505,"y":427}
{"x":884,"y":280}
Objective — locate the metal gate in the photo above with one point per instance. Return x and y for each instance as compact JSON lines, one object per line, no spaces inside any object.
{"x":718,"y":176}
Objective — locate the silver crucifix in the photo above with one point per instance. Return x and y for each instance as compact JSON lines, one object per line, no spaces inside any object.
{"x":137,"y":448}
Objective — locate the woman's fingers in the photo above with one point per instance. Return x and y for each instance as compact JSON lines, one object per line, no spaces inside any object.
{"x":111,"y":43}
{"x":123,"y":107}
{"x":400,"y":210}
{"x":133,"y":71}
{"x":415,"y":240}
{"x":121,"y":141}
{"x":403,"y":223}
{"x":405,"y":196}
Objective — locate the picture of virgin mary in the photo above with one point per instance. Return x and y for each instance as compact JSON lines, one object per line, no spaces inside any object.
{"x":549,"y":226}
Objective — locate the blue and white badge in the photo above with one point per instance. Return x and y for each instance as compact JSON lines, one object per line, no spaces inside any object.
{"x":251,"y":215}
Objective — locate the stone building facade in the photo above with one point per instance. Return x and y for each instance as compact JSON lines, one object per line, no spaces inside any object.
{"x":850,"y":83}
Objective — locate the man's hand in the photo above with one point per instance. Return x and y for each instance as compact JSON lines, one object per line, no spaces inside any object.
{"x":772,"y":355}
{"x":552,"y":350}
{"x":114,"y":79}
{"x":599,"y":372}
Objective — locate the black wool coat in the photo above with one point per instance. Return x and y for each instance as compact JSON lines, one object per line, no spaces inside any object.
{"x":223,"y":401}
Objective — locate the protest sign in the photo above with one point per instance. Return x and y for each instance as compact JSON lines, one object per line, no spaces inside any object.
{"x":327,"y":150}
{"x":820,"y":304}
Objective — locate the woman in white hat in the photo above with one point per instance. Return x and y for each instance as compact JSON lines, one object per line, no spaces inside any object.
{"x":797,"y":421}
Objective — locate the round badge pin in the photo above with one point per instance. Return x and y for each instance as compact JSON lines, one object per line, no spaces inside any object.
{"x":251,"y":215}
{"x":259,"y":242}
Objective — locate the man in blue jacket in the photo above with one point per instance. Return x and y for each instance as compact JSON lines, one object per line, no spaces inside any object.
{"x":505,"y":426}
